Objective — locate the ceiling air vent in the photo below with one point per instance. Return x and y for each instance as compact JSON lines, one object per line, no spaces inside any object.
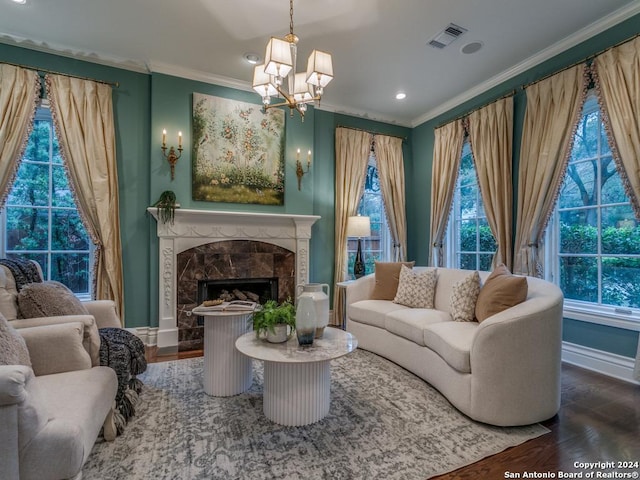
{"x":447,"y":36}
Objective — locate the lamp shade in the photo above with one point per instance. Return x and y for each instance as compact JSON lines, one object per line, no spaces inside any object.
{"x":301,"y":89}
{"x":358,"y":226}
{"x":277,"y":59}
{"x":319,"y":68}
{"x":262,"y":82}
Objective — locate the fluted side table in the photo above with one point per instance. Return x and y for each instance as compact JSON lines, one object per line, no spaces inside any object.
{"x":297,"y":380}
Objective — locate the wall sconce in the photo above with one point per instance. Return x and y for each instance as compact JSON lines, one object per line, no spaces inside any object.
{"x":171,"y":157}
{"x":299,"y":171}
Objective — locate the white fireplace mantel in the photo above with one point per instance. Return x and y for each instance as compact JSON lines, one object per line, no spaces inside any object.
{"x":192,"y":228}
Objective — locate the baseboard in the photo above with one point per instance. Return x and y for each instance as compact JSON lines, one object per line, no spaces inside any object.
{"x":610,"y":364}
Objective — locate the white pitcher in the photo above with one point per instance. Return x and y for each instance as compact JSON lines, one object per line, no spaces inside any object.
{"x":321,"y":301}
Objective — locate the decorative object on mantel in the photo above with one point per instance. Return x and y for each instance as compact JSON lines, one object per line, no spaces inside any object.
{"x":280,"y":63}
{"x":319,"y":293}
{"x":166,"y":205}
{"x":299,"y":170}
{"x":171,"y":157}
{"x":305,"y":320}
{"x":359,"y":227}
{"x":238,"y":153}
{"x":273,"y":320}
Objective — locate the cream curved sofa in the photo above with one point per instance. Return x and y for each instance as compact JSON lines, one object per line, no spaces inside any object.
{"x":504,"y":371}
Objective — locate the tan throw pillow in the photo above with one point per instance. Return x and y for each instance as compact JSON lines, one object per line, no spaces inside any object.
{"x":416,"y":289}
{"x":49,"y":299}
{"x":501,"y":290}
{"x":463,"y":298}
{"x":387,"y":275}
{"x":13,"y":349}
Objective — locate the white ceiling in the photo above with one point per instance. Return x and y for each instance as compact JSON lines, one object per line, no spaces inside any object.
{"x":379,"y":47}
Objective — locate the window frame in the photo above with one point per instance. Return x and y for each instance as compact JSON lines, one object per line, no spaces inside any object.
{"x":43,"y":113}
{"x":609,"y":315}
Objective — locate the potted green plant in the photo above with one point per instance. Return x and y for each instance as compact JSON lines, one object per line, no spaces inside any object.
{"x":166,"y":205}
{"x":275,"y":320}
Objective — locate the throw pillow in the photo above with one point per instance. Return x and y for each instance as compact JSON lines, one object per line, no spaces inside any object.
{"x":387,"y":276}
{"x":463,"y":298}
{"x":416,"y":289}
{"x":501,"y":290}
{"x":13,"y":349}
{"x":49,"y":299}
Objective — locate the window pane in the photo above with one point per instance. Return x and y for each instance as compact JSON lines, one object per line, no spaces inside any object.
{"x":586,"y":138}
{"x":468,"y":261}
{"x":578,"y":231}
{"x":487,"y":242}
{"x":485,"y":262}
{"x":620,"y":284}
{"x":31,"y":186}
{"x":72,"y":269}
{"x":62,"y":196}
{"x":468,"y":201}
{"x":27,"y":229}
{"x":612,"y":190}
{"x":578,"y":188}
{"x":468,"y":232}
{"x":41,"y":258}
{"x":579,"y":278}
{"x":67,"y":231}
{"x":38,"y":145}
{"x":604,"y":141}
{"x":57,"y":157}
{"x":619,"y":231}
{"x":467,"y":174}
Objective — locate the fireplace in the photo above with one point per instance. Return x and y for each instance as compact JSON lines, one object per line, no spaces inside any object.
{"x":257,"y":290}
{"x":215,"y":245}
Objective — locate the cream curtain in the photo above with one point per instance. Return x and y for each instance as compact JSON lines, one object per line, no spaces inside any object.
{"x":390,"y":164}
{"x":617,"y":76}
{"x":352,"y":156}
{"x":83,"y":116}
{"x":491,"y":138}
{"x":446,"y":164}
{"x":553,"y":111}
{"x":19,"y":95}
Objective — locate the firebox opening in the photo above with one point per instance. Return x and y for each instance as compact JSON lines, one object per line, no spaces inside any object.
{"x":257,"y":290}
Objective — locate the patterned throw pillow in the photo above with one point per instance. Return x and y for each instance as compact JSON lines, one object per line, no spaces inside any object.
{"x":416,"y":289}
{"x":463,"y":298}
{"x":13,"y":349}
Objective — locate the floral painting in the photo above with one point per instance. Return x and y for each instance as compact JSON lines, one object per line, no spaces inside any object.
{"x":238,"y":152}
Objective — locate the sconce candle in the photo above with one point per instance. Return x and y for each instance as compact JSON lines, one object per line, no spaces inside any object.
{"x":299,"y":170}
{"x":171,"y":157}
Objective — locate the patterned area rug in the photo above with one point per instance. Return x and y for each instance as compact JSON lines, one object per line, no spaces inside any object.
{"x":384,"y":423}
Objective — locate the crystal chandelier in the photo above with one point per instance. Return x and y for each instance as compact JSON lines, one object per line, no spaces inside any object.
{"x":280,"y":64}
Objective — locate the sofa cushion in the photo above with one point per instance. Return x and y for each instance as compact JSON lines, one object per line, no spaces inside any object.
{"x":372,"y":312}
{"x":416,"y":288}
{"x":500,"y":291}
{"x":410,"y":323}
{"x":49,"y":299}
{"x":452,"y":341}
{"x":464,"y":295}
{"x":13,"y":349}
{"x":387,"y":275}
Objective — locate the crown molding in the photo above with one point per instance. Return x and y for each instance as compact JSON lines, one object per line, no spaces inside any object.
{"x":363,"y":114}
{"x":199,"y":76}
{"x":571,"y":41}
{"x":69,"y":52}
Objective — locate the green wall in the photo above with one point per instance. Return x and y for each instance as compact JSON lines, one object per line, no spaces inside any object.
{"x":614,"y":340}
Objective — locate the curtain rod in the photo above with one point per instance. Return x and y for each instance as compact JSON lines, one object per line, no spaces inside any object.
{"x":44,"y":70}
{"x":372,"y":133}
{"x":506,"y":95}
{"x":584,"y":60}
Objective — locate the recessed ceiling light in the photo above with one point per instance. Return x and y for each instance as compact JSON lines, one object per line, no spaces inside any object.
{"x":401,"y":96}
{"x":21,"y":2}
{"x":252,"y":58}
{"x":472,"y":47}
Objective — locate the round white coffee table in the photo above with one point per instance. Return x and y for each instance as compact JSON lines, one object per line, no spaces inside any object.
{"x":226,"y":371}
{"x":297,"y":380}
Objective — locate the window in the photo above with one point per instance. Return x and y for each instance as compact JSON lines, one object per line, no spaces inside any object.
{"x":40,"y":219}
{"x":378,"y":246}
{"x":594,"y":239}
{"x":470,"y":243}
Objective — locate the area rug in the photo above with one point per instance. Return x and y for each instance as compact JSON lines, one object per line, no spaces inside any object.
{"x":384,"y":423}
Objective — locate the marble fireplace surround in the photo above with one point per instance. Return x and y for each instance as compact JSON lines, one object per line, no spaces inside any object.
{"x":192,"y":228}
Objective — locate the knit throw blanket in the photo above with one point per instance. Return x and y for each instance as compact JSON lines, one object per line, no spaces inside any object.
{"x":124,"y":353}
{"x":23,"y":271}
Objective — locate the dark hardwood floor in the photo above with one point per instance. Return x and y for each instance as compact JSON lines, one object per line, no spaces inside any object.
{"x":599,"y":421}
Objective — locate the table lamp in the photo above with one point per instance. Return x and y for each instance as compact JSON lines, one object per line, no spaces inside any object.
{"x":359,"y":227}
